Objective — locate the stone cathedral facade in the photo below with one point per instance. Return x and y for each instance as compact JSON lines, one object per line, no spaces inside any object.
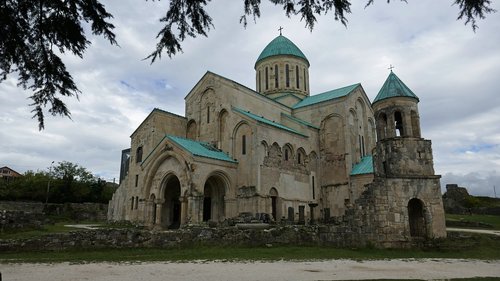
{"x":280,"y":151}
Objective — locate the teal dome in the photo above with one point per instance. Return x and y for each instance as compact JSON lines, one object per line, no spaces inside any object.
{"x":394,"y":87}
{"x":281,"y":46}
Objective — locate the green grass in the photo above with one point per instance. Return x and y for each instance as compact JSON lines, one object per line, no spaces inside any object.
{"x":462,"y":247}
{"x":489,"y":219}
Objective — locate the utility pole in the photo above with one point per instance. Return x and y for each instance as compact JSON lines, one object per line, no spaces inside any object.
{"x":48,"y":185}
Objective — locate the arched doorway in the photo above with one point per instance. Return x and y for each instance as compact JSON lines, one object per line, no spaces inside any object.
{"x":171,"y":209}
{"x":213,"y":200}
{"x":416,"y":218}
{"x":273,"y":193}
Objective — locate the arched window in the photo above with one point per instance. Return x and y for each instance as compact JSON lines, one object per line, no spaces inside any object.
{"x":138,"y":155}
{"x":286,"y":154}
{"x":208,"y":114}
{"x":276,"y":78}
{"x":267,"y":78}
{"x":259,"y":81}
{"x":297,"y":76}
{"x":305,"y":80}
{"x":287,"y":74}
{"x":243,"y":144}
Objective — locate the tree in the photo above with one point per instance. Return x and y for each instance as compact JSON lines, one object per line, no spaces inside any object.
{"x":31,"y":30}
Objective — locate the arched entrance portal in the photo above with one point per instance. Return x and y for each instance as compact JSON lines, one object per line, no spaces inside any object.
{"x":171,"y":209}
{"x":213,"y":201}
{"x":416,"y":218}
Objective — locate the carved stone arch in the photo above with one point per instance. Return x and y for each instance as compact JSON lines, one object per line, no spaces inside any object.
{"x":371,"y":138}
{"x":417,"y":218}
{"x":382,"y":126}
{"x":313,"y":161}
{"x":263,"y":151}
{"x":301,"y":156}
{"x":223,"y":131}
{"x":276,"y":203}
{"x":216,"y":188}
{"x":242,"y":137}
{"x":192,"y":130}
{"x":152,"y":168}
{"x":288,"y":153}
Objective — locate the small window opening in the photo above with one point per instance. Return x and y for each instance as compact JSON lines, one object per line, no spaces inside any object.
{"x":305,"y":80}
{"x":267,"y":78}
{"x":244,"y":144}
{"x":138,"y":155}
{"x":258,"y":84}
{"x":314,"y":195}
{"x":297,"y":76}
{"x":136,"y":202}
{"x":299,"y":160}
{"x":132,"y":205}
{"x":276,"y":78}
{"x":286,"y":154}
{"x":136,"y":180}
{"x":208,"y":114}
{"x":287,"y":73}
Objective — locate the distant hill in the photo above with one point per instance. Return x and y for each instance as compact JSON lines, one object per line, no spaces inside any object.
{"x":457,"y":200}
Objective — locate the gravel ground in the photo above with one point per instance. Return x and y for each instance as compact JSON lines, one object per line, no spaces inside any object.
{"x":280,"y":270}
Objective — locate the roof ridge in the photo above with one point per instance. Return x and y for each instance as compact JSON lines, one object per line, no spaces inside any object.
{"x":326,"y":96}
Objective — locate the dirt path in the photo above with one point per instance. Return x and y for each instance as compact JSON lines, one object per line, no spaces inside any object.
{"x":313,"y":270}
{"x":482,"y":231}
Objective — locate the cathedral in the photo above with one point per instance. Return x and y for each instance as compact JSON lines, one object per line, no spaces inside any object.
{"x":283,"y":154}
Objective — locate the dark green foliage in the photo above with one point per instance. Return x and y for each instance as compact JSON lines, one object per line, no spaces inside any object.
{"x":68,"y":183}
{"x":31,"y":30}
{"x":472,"y":10}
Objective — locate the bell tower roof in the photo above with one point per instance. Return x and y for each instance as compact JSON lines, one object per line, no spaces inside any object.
{"x":281,"y":46}
{"x":394,"y":87}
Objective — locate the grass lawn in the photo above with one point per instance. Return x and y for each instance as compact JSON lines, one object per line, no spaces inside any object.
{"x":489,"y":219}
{"x":58,"y":227}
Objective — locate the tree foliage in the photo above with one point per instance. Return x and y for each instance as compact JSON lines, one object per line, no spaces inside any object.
{"x":68,"y":182}
{"x":32,"y":31}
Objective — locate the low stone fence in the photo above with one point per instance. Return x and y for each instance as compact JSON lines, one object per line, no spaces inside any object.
{"x":308,"y":235}
{"x":10,"y":220}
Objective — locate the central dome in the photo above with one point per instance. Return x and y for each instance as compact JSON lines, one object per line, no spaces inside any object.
{"x":281,"y":46}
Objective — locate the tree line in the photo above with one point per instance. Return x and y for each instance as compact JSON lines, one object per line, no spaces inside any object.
{"x":65,"y":182}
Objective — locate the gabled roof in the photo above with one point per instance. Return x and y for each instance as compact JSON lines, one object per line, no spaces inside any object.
{"x":263,"y":120}
{"x":201,"y":149}
{"x":156,"y":110}
{"x":326,"y":96}
{"x":281,"y":46}
{"x":365,"y":166}
{"x":300,"y":121}
{"x":394,"y":87}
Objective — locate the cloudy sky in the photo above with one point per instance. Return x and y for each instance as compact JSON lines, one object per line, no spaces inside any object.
{"x":454,"y":71}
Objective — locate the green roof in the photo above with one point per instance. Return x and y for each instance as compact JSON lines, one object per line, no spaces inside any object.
{"x":281,"y":46}
{"x":263,"y":120}
{"x":365,"y":166}
{"x":201,"y":149}
{"x":326,"y":96}
{"x":300,"y":121}
{"x":394,"y":87}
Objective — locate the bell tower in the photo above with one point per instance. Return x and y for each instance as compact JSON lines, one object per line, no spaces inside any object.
{"x":403,"y":164}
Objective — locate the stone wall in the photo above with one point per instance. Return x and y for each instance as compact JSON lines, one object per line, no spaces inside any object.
{"x":33,"y":215}
{"x":309,"y":235}
{"x":11,"y":220}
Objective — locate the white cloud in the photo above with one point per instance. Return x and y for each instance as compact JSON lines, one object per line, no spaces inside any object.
{"x":453,"y":70}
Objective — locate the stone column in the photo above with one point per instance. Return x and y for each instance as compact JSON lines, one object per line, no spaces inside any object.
{"x":159,"y":209}
{"x":184,"y":210}
{"x":195,"y":208}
